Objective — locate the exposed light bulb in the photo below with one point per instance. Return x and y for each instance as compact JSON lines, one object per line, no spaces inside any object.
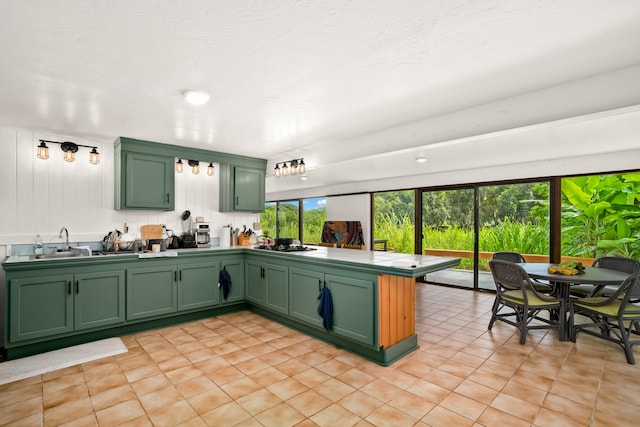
{"x":179,"y":166}
{"x":94,"y":156}
{"x":43,"y":151}
{"x":210,"y":169}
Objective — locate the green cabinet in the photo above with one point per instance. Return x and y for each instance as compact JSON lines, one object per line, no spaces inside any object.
{"x":305,"y":286}
{"x":59,"y":304}
{"x":241,"y":189}
{"x":353,"y":307}
{"x":268,"y":286}
{"x":99,"y":299}
{"x":198,"y":285}
{"x":144,"y":181}
{"x":353,"y":303}
{"x":235,"y":268}
{"x":151,"y":291}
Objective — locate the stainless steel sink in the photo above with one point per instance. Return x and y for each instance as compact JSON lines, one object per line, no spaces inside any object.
{"x":64,"y":254}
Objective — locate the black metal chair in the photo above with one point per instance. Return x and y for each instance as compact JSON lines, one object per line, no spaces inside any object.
{"x":515,"y":291}
{"x":614,"y":318}
{"x":518,"y":258}
{"x":626,"y":265}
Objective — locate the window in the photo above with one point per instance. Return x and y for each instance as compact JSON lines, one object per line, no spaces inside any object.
{"x":393,"y":220}
{"x":601,"y":215}
{"x":313,"y":218}
{"x":283,"y":219}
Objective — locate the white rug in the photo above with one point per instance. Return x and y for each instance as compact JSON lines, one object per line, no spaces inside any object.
{"x":18,"y":369}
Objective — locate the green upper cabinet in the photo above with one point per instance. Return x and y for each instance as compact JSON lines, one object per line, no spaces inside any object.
{"x":241,"y":189}
{"x":143,"y":181}
{"x":145,"y":176}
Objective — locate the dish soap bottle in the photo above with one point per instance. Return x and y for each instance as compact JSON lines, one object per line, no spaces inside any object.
{"x":38,"y":246}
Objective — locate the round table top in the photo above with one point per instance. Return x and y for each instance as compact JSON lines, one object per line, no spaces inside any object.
{"x":590,"y":275}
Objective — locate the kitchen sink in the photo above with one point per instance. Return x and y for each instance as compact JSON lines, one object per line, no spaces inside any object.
{"x":73,"y":252}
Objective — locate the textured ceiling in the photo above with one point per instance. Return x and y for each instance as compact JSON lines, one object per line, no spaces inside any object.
{"x":329,"y":80}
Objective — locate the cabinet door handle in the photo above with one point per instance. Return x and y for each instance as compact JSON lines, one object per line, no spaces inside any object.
{"x":168,"y":198}
{"x":175,"y":276}
{"x":319,"y":284}
{"x":77,"y":286}
{"x":237,"y":200}
{"x":181,"y":275}
{"x":69,"y":287}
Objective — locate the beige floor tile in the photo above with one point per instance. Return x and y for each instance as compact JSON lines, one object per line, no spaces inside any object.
{"x":287,"y":388}
{"x":475,"y":391}
{"x":267,"y":376}
{"x":209,"y":400}
{"x":334,"y":389}
{"x":312,"y":377}
{"x":18,"y":411}
{"x":240,"y":387}
{"x":516,"y":407}
{"x":335,"y":415}
{"x":309,"y":402}
{"x":464,"y":406}
{"x":228,"y":414}
{"x":57,"y":397}
{"x":388,"y":416}
{"x":172,"y":415}
{"x":120,"y":413}
{"x":495,"y":417}
{"x":258,"y":401}
{"x":151,"y":384}
{"x":112,"y":396}
{"x":428,"y":391}
{"x":281,"y":415}
{"x":160,"y":398}
{"x":360,"y":403}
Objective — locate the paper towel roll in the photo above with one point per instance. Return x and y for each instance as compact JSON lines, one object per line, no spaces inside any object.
{"x":225,"y":236}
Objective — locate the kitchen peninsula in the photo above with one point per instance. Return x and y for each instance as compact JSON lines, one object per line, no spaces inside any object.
{"x":55,"y":303}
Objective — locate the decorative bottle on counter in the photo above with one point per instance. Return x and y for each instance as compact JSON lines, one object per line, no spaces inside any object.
{"x":38,"y":246}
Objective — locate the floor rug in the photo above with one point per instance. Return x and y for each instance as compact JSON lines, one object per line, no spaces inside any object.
{"x":26,"y":367}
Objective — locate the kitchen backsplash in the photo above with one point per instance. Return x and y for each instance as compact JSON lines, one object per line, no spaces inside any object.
{"x":42,"y":196}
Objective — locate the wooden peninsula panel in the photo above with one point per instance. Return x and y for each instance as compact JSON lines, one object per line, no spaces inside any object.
{"x":396,"y":309}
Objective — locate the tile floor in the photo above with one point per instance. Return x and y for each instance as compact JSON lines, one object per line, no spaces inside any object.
{"x":242,"y":369}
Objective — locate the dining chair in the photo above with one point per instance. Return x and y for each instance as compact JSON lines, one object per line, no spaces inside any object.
{"x":329,"y":245}
{"x":614,"y":318}
{"x":626,"y":265}
{"x":347,"y":246}
{"x":518,"y":258}
{"x":516,"y":296}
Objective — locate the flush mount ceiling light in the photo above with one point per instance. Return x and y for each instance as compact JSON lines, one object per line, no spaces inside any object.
{"x":421,"y":159}
{"x":196,"y":97}
{"x":70,"y":149}
{"x":294,"y":166}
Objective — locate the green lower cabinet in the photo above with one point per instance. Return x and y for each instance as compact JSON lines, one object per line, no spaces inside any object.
{"x":353,"y":307}
{"x":151,"y":291}
{"x":198,"y":285}
{"x":277,"y":297}
{"x":40,"y":307}
{"x":59,"y":304}
{"x":304,"y":288}
{"x":268,"y":286}
{"x":235,"y":268}
{"x":256,"y":286}
{"x":99,"y":299}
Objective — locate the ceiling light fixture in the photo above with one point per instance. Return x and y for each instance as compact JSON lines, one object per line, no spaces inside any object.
{"x":179,"y":165}
{"x":421,"y":159}
{"x":196,"y":97}
{"x":294,"y":166}
{"x":210,"y":169}
{"x":70,"y":149}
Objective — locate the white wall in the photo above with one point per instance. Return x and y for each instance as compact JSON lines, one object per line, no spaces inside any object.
{"x":351,"y":208}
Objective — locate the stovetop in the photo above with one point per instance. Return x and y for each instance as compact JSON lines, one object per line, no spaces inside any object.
{"x":285,"y":248}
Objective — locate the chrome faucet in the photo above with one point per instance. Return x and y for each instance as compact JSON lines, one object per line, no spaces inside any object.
{"x":66,"y":239}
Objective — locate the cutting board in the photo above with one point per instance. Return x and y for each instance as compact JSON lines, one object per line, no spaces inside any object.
{"x":151,"y":232}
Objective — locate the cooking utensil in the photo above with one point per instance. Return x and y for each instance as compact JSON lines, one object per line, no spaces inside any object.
{"x":284,"y":241}
{"x":151,"y":232}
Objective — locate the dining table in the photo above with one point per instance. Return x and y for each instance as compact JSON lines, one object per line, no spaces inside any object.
{"x":562,"y":283}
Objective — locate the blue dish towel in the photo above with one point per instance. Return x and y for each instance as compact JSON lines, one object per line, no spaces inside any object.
{"x":325,"y":308}
{"x":224,"y":282}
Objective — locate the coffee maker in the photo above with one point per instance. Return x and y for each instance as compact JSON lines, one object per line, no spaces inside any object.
{"x":202,"y":232}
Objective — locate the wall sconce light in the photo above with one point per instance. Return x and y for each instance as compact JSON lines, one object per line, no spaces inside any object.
{"x":210,"y":169}
{"x":294,"y":166}
{"x":195,"y":166}
{"x":70,"y":149}
{"x":179,"y":166}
